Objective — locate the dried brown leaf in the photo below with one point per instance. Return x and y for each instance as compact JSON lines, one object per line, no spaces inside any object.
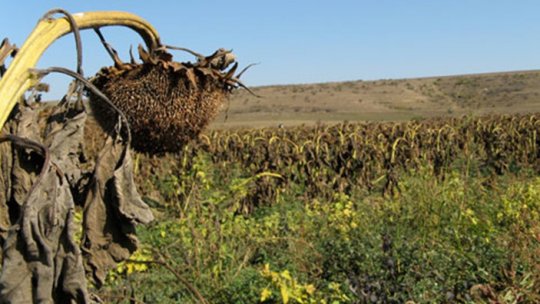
{"x":112,"y":210}
{"x":41,"y":260}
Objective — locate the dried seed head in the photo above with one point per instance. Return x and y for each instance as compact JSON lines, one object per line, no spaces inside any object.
{"x":166,"y":103}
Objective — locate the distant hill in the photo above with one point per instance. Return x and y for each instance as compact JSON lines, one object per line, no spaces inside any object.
{"x":400,"y":99}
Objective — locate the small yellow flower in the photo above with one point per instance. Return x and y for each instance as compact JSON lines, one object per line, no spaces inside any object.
{"x":266,"y":270}
{"x":265,"y":294}
{"x":284,"y":294}
{"x":310,"y":289}
{"x":286,"y":275}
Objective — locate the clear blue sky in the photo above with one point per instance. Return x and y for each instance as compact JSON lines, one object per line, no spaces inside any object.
{"x":314,"y":41}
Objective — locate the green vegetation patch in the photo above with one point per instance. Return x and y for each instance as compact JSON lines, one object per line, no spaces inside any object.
{"x":459,"y":227}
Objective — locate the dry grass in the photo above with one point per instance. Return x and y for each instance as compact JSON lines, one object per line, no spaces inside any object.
{"x":402,"y":99}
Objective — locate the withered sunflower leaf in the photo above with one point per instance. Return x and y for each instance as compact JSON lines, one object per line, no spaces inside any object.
{"x":42,"y":263}
{"x":26,"y":164}
{"x":131,"y":204}
{"x":112,"y":210}
{"x":5,"y":190}
{"x":64,"y":135}
{"x":6,"y":163}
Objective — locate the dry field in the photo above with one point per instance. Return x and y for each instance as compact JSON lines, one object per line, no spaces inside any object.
{"x":394,"y":100}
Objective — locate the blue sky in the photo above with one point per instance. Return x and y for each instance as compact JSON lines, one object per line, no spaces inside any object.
{"x":312,"y":41}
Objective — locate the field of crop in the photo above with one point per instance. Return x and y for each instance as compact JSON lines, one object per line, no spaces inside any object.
{"x":425,"y":211}
{"x":114,"y":194}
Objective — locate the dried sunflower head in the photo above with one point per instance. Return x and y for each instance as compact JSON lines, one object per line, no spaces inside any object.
{"x":166,"y":103}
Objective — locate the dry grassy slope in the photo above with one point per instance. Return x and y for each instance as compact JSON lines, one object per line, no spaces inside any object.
{"x":384,"y":99}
